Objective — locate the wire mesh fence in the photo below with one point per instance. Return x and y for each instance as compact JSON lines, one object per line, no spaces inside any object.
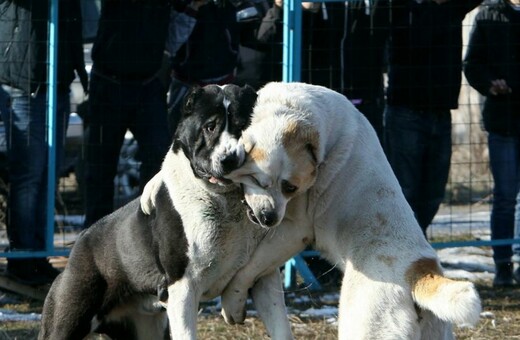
{"x":344,"y":47}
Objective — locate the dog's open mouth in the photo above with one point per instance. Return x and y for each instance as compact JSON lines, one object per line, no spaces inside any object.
{"x":206,"y":175}
{"x":219,"y":181}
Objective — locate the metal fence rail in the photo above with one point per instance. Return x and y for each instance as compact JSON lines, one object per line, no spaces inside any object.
{"x":292,"y":49}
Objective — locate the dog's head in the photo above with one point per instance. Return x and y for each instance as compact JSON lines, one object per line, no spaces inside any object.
{"x":280,"y":163}
{"x":213,"y":118}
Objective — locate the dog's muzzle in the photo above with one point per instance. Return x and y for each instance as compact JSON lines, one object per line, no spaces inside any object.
{"x":231,"y":162}
{"x":266,"y":219}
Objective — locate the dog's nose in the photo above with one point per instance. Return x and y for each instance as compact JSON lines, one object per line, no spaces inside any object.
{"x":229,"y":163}
{"x":268,"y":217}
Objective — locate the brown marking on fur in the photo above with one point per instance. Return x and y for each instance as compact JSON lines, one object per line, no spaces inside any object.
{"x":306,"y":240}
{"x":257,"y":154}
{"x":425,"y":277}
{"x":299,"y":134}
{"x":388,"y":260}
{"x":299,"y":141}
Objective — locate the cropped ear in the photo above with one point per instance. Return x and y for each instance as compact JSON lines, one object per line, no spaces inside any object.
{"x":312,"y":149}
{"x":194,"y":93}
{"x":247,"y":98}
{"x":302,"y":137}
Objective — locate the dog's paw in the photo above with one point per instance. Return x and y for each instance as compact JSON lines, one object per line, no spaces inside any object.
{"x":232,"y":319}
{"x":149,"y":192}
{"x":234,"y":306}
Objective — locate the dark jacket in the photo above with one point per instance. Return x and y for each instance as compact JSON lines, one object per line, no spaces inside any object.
{"x":364,"y":52}
{"x":494,"y":53}
{"x":322,"y":38}
{"x":212,"y":48}
{"x":425,"y":49}
{"x":24,"y":39}
{"x":131,"y":38}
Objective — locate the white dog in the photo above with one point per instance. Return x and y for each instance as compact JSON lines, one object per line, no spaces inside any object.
{"x":316,"y":172}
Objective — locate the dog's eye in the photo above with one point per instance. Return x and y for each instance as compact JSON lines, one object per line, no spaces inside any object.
{"x":255,"y":181}
{"x":210,"y":127}
{"x":288,"y":188}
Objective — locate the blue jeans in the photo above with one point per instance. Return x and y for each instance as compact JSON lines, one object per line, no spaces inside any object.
{"x":114,"y":108}
{"x":418,"y":147}
{"x":26,"y":129}
{"x":504,"y":159}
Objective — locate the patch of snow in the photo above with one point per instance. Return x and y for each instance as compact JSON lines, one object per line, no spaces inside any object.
{"x":9,"y":315}
{"x":326,"y":311}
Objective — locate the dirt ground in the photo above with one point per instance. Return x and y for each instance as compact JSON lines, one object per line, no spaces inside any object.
{"x":500,"y":318}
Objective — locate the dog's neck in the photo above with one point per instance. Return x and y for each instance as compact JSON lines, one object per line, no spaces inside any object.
{"x":177,"y":171}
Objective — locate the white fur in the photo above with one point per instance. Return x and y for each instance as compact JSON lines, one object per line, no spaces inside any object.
{"x":220,"y":241}
{"x":356,"y":215}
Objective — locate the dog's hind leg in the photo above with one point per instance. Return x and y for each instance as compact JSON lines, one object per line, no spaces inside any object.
{"x":433,"y":328}
{"x":372,"y":309}
{"x":70,"y":306}
{"x":268,"y":296}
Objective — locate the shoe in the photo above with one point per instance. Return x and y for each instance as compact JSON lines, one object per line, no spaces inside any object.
{"x":516,"y":275}
{"x":503,"y":275}
{"x":43,"y":267}
{"x":31,"y":272}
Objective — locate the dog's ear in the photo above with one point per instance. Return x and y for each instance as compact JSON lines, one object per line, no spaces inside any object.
{"x":247,"y":96}
{"x":312,"y":149}
{"x":189,"y":100}
{"x":304,"y":137}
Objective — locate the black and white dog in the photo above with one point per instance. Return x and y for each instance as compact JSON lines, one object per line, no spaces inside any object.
{"x":191,"y":236}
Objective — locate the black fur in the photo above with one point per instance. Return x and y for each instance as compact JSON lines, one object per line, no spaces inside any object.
{"x":204,"y":111}
{"x":128,"y":254}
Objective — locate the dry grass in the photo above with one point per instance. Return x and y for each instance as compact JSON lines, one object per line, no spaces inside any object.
{"x":500,"y":320}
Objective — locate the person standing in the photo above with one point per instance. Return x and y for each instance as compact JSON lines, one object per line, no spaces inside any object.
{"x":206,"y":53}
{"x":364,"y":60}
{"x":23,"y":73}
{"x":492,"y":67}
{"x":424,"y":78}
{"x":126,"y":93}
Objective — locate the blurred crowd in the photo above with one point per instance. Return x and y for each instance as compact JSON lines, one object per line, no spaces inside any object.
{"x":399,"y":61}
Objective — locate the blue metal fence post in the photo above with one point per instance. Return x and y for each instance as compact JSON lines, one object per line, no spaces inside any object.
{"x":52,"y":77}
{"x":292,"y":40}
{"x":292,"y":47}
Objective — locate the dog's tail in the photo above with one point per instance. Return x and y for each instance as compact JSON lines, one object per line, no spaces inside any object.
{"x":452,"y":301}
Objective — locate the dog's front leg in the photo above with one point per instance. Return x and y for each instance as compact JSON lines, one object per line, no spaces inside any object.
{"x":268,"y":297}
{"x":279,"y":245}
{"x":183,"y":302}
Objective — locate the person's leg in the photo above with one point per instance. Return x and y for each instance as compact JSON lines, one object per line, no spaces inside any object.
{"x":373,"y":111}
{"x":28,"y":162}
{"x":405,"y":145}
{"x":104,"y":136}
{"x":150,"y":129}
{"x":436,"y":168}
{"x":516,"y":246}
{"x":502,"y":157}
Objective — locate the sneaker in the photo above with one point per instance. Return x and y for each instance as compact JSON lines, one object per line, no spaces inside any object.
{"x":25,"y":271}
{"x":503,"y":275}
{"x":516,"y":275}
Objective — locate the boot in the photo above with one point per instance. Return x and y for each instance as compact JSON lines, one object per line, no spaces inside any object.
{"x":503,"y":275}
